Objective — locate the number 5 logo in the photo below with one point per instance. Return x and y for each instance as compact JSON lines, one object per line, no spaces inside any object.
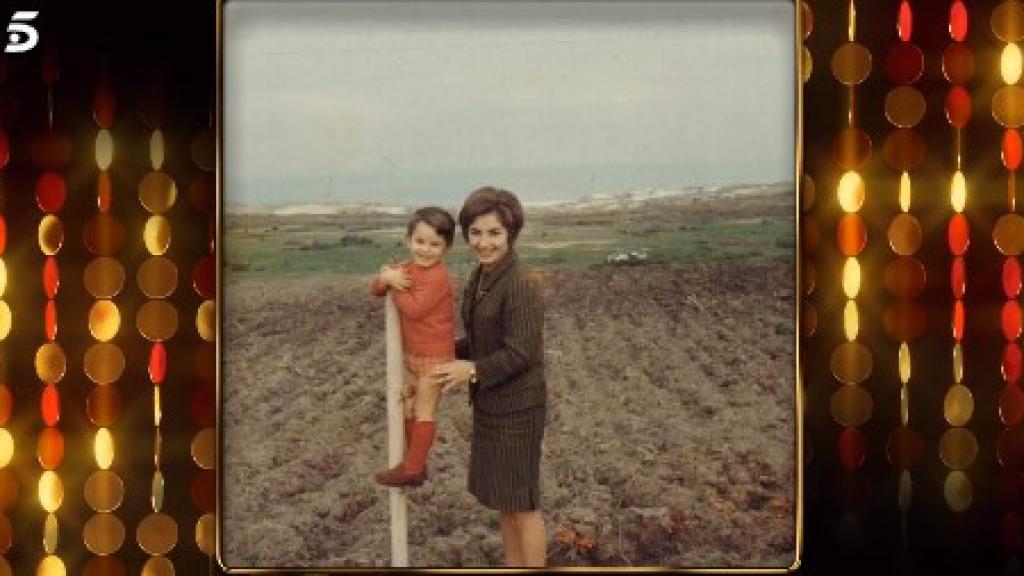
{"x":21,"y":36}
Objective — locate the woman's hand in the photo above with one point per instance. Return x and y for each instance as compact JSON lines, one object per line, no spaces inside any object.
{"x":395,"y":277}
{"x":452,"y":374}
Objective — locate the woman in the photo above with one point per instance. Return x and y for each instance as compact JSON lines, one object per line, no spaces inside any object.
{"x":503,"y":365}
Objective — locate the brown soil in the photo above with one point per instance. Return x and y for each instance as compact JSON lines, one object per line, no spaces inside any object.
{"x":670,"y":437}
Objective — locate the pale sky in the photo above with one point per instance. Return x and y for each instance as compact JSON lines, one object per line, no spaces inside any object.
{"x":414,"y":103}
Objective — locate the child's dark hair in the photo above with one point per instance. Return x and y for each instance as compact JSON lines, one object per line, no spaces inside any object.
{"x":437,"y":218}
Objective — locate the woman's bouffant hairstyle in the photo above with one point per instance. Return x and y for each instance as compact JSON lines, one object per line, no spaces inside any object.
{"x":437,"y":218}
{"x":489,"y":199}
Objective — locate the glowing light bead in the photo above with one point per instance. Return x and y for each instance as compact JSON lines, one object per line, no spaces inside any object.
{"x":904,"y":362}
{"x":157,"y":235}
{"x":158,"y":413}
{"x":851,"y":192}
{"x":905,"y":192}
{"x":851,"y":278}
{"x":51,"y":566}
{"x":6,"y":447}
{"x":156,"y":496}
{"x":851,"y":320}
{"x":156,"y":149}
{"x":3,"y":277}
{"x":206,"y":534}
{"x":104,"y":320}
{"x":958,"y":191}
{"x":51,"y":534}
{"x":103,"y":448}
{"x":104,"y":150}
{"x":51,"y":491}
{"x":958,"y":491}
{"x":5,"y":320}
{"x":958,"y":406}
{"x":206,"y":320}
{"x":1010,"y":63}
{"x":851,"y":18}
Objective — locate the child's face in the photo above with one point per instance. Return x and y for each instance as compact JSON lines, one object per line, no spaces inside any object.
{"x":426,"y":245}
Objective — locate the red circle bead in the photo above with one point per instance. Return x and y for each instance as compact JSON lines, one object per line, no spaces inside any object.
{"x":958,"y":21}
{"x":1011,"y":320}
{"x":50,"y":405}
{"x":1011,"y":277}
{"x":958,"y":277}
{"x":959,"y":234}
{"x":104,"y":192}
{"x":904,"y":64}
{"x":906,"y":21}
{"x":158,"y":363}
{"x":1010,"y":448}
{"x":50,"y":320}
{"x":851,"y":234}
{"x":3,"y":234}
{"x":1011,"y":406}
{"x":51,"y":277}
{"x":204,"y":277}
{"x":1011,"y":150}
{"x":1011,"y":363}
{"x":51,"y":192}
{"x":851,"y":448}
{"x":958,"y":107}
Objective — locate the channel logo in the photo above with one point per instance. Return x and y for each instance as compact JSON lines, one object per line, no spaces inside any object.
{"x":21,"y":35}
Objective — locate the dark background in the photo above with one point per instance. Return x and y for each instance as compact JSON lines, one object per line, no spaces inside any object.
{"x":158,"y":58}
{"x":853,"y":521}
{"x":162,"y":56}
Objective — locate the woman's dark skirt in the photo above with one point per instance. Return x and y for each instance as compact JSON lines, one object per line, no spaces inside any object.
{"x":504,"y":460}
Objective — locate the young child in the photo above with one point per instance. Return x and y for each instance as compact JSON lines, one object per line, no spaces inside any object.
{"x":423,"y":294}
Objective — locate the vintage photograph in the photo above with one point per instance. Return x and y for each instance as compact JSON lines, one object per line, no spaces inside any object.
{"x":584,"y":214}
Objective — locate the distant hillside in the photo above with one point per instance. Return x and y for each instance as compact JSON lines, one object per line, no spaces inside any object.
{"x":598,"y":202}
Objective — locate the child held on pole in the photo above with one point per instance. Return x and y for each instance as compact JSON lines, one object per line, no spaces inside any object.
{"x":423,"y":293}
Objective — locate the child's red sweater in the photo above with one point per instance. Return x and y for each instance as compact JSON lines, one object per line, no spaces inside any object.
{"x":427,"y":310}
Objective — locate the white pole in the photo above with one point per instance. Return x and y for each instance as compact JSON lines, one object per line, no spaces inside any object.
{"x":396,"y":433}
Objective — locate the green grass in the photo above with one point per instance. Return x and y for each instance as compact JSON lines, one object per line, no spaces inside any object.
{"x":296,"y":247}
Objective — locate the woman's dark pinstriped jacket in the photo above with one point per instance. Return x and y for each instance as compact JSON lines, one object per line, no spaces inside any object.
{"x":504,"y":319}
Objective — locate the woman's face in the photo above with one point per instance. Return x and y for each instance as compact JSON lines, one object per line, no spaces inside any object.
{"x":488,"y":239}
